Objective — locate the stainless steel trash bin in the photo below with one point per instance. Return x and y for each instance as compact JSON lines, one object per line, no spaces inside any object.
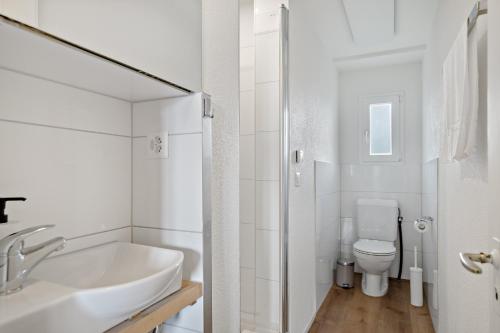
{"x":345,"y":273}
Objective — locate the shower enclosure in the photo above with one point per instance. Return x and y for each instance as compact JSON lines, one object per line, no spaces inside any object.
{"x":264,"y":146}
{"x":287,"y":142}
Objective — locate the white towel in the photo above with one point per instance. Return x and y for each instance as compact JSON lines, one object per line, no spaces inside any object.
{"x":460,"y":91}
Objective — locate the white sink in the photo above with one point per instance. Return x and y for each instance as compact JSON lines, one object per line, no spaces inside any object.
{"x":103,"y":285}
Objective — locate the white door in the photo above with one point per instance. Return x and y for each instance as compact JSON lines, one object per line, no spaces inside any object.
{"x":490,"y":266}
{"x":494,"y":151}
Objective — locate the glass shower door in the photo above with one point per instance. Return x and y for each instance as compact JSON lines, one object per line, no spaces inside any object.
{"x":263,"y":145}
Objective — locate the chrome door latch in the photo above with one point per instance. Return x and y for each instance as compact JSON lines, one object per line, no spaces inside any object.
{"x":469,"y":260}
{"x":207,"y":106}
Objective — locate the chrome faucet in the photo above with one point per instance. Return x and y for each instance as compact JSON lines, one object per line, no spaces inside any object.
{"x":18,"y":260}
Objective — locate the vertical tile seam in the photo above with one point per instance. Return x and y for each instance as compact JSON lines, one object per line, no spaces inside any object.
{"x":132,"y":172}
{"x":254,"y":69}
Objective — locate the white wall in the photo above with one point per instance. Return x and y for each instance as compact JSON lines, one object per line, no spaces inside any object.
{"x":401,"y":180}
{"x":220,"y":80}
{"x":167,"y":193}
{"x":463,"y":220}
{"x":68,"y":151}
{"x":247,"y":165}
{"x":327,"y":220}
{"x":314,"y":129}
{"x":22,"y":10}
{"x":162,"y":37}
{"x":430,"y":240}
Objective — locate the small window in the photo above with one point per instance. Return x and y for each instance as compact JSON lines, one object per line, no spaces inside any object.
{"x":380,"y":128}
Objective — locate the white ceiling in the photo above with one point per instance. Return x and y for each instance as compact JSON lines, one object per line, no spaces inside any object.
{"x":413,"y":21}
{"x":371,"y":22}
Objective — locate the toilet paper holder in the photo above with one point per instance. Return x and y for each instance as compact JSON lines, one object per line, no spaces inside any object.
{"x":422,"y":224}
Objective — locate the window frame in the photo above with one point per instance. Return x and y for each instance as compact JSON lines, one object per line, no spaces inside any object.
{"x":397,"y":131}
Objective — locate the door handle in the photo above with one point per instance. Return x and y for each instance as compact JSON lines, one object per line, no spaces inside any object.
{"x":469,"y":260}
{"x":366,"y":136}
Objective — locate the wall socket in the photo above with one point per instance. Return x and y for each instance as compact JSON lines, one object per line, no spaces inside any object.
{"x":157,"y":145}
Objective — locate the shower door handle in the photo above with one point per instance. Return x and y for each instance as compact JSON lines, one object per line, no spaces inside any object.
{"x":469,"y":260}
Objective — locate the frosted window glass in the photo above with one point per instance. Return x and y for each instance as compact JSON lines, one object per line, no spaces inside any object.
{"x":381,"y":129}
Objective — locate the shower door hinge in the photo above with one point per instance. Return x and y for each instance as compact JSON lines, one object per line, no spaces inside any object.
{"x":207,"y":106}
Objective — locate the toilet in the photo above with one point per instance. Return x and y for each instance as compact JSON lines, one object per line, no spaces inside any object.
{"x":377,"y":222}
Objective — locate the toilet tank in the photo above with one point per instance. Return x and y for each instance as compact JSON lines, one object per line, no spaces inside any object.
{"x":377,"y":219}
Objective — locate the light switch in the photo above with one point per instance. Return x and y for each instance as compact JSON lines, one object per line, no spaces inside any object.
{"x":157,"y":145}
{"x":298,"y":156}
{"x":298,"y":179}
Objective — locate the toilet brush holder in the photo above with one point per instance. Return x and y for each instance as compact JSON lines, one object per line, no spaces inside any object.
{"x":417,"y":296}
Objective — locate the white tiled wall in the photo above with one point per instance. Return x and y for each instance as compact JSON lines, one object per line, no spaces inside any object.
{"x":167,"y":193}
{"x":247,"y":114}
{"x":248,"y":293}
{"x":267,"y":155}
{"x":267,"y":106}
{"x":247,"y":246}
{"x":247,"y":199}
{"x":259,"y":165}
{"x":267,"y":57}
{"x":267,"y":254}
{"x":267,"y":305}
{"x":247,"y":157}
{"x":327,"y":205}
{"x":430,"y":241}
{"x":68,"y":151}
{"x":58,"y":105}
{"x":401,"y":181}
{"x":267,"y":205}
{"x":314,"y":120}
{"x":267,"y":159}
{"x":247,"y":166}
{"x":190,"y":243}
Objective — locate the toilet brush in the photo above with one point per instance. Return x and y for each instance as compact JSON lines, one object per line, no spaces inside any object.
{"x":417,"y":297}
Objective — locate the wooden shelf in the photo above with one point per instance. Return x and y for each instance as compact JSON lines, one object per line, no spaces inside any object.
{"x":146,"y":320}
{"x":31,"y":51}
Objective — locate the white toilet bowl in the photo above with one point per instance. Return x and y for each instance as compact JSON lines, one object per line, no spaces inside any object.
{"x":374,"y":257}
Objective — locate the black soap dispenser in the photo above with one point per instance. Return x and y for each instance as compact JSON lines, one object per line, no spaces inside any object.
{"x":3,"y":201}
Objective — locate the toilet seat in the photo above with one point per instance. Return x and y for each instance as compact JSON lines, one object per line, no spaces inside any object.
{"x":374,"y":247}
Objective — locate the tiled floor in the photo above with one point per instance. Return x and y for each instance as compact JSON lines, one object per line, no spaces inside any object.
{"x":351,"y":311}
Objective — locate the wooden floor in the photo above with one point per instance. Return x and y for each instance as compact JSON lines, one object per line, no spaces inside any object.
{"x":351,"y":311}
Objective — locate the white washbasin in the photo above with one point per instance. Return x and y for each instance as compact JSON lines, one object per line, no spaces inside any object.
{"x":104,"y":285}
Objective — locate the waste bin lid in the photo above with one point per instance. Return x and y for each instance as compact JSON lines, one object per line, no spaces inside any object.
{"x":345,"y":262}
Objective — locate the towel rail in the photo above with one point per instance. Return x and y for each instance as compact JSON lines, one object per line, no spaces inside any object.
{"x":480,"y":8}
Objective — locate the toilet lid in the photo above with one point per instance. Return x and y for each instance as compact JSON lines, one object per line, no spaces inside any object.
{"x":374,"y":247}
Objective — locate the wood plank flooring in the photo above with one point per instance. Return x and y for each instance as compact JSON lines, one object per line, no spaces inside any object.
{"x":351,"y":311}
